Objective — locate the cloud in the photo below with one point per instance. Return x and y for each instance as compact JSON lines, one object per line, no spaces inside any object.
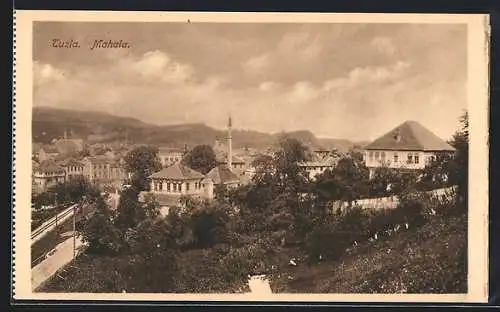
{"x":335,"y":80}
{"x":46,"y":73}
{"x":368,"y":74}
{"x":384,"y":45}
{"x":256,"y":63}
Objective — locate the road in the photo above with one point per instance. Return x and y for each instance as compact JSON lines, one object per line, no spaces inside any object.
{"x":63,"y":255}
{"x":50,"y":224}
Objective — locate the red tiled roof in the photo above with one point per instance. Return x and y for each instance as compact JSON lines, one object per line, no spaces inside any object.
{"x":410,"y":135}
{"x":177,"y":172}
{"x":222,"y":174}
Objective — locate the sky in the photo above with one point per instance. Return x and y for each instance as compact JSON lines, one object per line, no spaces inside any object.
{"x":352,"y":81}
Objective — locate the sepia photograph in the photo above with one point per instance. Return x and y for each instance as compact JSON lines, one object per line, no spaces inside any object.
{"x":269,"y":157}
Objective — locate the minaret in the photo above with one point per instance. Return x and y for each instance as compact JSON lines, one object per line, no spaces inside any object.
{"x":229,"y":145}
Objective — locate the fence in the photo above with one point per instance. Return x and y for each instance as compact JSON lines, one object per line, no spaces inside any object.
{"x":391,"y":202}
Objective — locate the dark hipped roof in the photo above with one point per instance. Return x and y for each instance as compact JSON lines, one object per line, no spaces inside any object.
{"x":222,"y":175}
{"x":177,"y":172}
{"x":412,"y":136}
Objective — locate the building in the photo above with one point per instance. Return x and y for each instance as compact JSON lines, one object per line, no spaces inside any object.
{"x":224,"y":153}
{"x":73,"y":168}
{"x":236,"y":164}
{"x":46,"y":175}
{"x":171,"y":183}
{"x":47,"y":152}
{"x":221,"y":175}
{"x":409,"y":146}
{"x":104,"y":171}
{"x":319,"y":163}
{"x":171,"y":155}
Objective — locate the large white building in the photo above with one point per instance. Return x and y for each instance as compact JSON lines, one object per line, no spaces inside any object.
{"x":409,"y":146}
{"x":169,"y":184}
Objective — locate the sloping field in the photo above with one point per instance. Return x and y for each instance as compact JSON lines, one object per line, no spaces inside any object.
{"x":430,"y":259}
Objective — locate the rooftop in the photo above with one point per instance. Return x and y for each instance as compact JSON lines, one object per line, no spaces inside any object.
{"x":410,"y":135}
{"x":223,"y":175}
{"x":177,"y":172}
{"x":48,"y":167}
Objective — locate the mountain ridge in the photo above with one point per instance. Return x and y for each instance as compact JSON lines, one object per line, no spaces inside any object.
{"x":100,"y":127}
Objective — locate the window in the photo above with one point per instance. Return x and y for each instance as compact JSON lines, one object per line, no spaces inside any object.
{"x":155,"y":186}
{"x":410,"y":158}
{"x":187,"y":186}
{"x":168,"y":186}
{"x":395,"y":157}
{"x":377,"y":155}
{"x":416,"y":159}
{"x":371,"y":155}
{"x":160,"y":187}
{"x":383,"y":156}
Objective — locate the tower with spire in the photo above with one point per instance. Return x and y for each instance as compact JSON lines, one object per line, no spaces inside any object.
{"x":229,"y":144}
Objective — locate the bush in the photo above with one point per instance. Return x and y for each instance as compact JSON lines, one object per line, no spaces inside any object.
{"x":209,"y":226}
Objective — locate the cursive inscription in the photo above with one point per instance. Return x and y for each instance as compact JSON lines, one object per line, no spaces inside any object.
{"x":68,"y":44}
{"x":109,"y":44}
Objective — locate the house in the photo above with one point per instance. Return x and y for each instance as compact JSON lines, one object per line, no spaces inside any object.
{"x":46,"y":175}
{"x":238,"y":165}
{"x":47,"y":152}
{"x":409,"y":146}
{"x":169,"y":184}
{"x":171,"y":155}
{"x":73,"y":168}
{"x":221,"y":175}
{"x":318,"y":165}
{"x":103,"y":171}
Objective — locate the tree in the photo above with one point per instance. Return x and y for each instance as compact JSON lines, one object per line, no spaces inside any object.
{"x":209,"y":225}
{"x":151,"y":207}
{"x":201,"y":158}
{"x":129,"y":212}
{"x":460,"y":173}
{"x":350,"y":179}
{"x":99,"y":232}
{"x":141,"y":162}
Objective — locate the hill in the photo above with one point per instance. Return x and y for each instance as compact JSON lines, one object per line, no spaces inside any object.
{"x":51,"y":123}
{"x":430,"y":259}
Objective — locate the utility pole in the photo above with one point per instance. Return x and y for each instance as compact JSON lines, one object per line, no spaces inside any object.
{"x":57,"y":232}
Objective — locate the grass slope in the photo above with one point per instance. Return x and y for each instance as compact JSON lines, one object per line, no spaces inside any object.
{"x":430,"y":259}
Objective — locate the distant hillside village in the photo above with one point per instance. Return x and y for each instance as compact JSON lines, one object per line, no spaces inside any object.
{"x":409,"y":146}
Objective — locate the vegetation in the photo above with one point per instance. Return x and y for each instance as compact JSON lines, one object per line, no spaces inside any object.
{"x":212,"y":246}
{"x":60,"y":196}
{"x":141,"y":162}
{"x":201,"y":158}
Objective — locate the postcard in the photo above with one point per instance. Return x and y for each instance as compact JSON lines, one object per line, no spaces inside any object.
{"x":313,"y":157}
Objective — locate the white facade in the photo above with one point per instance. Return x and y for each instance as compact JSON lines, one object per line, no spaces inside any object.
{"x":44,"y":180}
{"x":394,"y":159}
{"x":177,"y":187}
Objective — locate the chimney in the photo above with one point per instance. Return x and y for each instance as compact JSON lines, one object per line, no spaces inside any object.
{"x":229,"y":145}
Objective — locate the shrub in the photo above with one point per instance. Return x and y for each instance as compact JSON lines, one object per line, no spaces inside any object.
{"x":209,"y":226}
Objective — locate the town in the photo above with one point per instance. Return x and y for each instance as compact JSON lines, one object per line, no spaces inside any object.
{"x":281,"y":197}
